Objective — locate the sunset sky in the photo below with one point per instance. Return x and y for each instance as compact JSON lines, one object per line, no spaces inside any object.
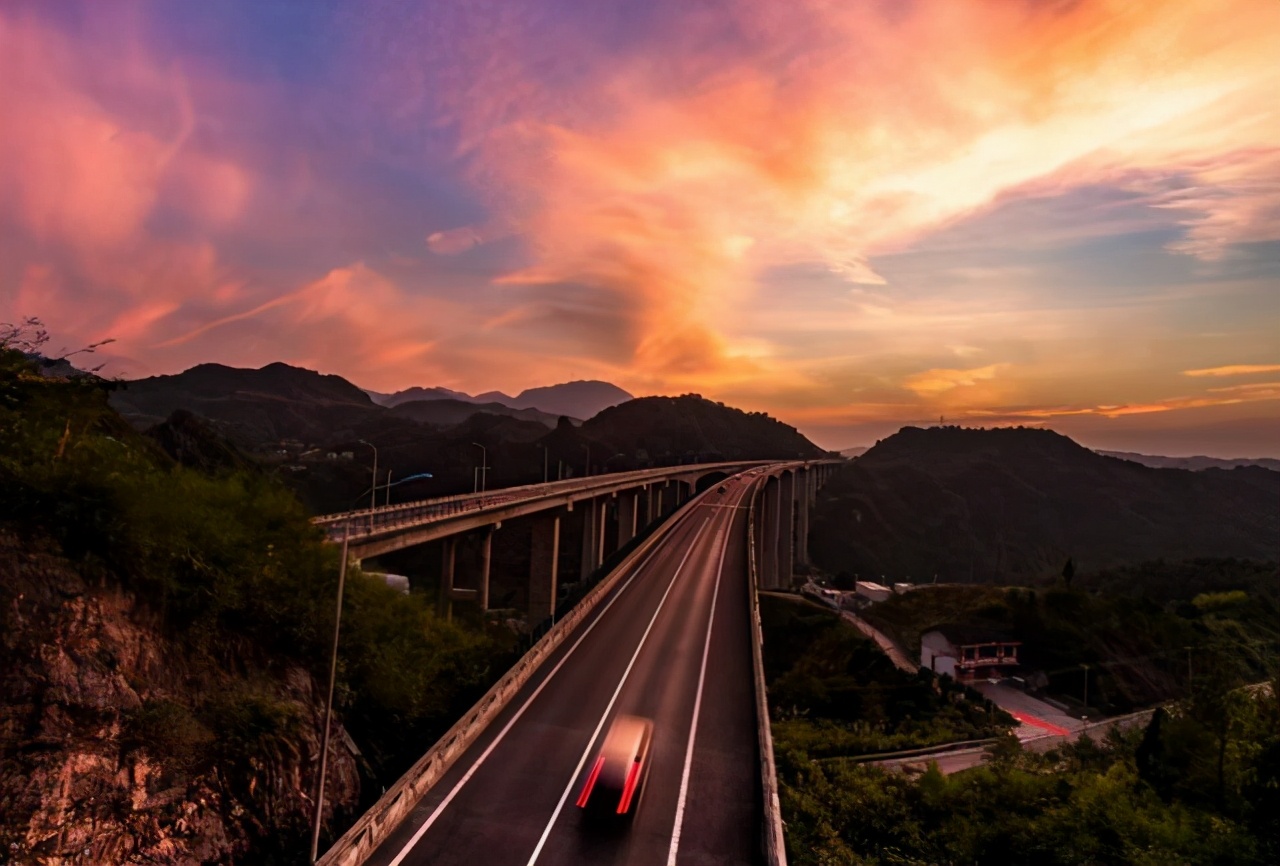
{"x":851,"y":215}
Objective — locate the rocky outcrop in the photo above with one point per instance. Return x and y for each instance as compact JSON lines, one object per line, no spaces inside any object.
{"x":121,"y":744}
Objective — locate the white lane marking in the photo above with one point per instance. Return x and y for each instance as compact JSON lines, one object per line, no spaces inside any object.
{"x":431,"y":819}
{"x":697,"y":707}
{"x":573,"y":780}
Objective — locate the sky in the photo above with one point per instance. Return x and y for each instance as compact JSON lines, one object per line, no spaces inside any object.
{"x":851,"y":214}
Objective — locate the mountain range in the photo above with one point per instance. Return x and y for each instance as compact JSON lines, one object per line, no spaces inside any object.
{"x":1013,"y":504}
{"x":319,"y":432}
{"x":579,"y":399}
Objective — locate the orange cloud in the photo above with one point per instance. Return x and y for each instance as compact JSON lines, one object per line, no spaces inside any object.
{"x":835,"y":132}
{"x":1234,"y":370}
{"x":931,"y":383}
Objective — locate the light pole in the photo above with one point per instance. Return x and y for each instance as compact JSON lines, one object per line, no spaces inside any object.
{"x":328,"y":704}
{"x":373,"y":494}
{"x":388,"y":500}
{"x":588,"y":469}
{"x":1086,"y":687}
{"x":484,"y":466}
{"x":544,"y":462}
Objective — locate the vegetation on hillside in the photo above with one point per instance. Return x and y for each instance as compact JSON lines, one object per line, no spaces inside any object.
{"x":231,"y":567}
{"x":1011,"y":505}
{"x":1141,"y":631}
{"x":1201,"y":785}
{"x":833,"y":693}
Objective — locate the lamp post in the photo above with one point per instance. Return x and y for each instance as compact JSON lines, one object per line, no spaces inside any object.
{"x":373,"y":493}
{"x":328,"y":704}
{"x":544,"y":462}
{"x":484,"y":466}
{"x":388,"y":499}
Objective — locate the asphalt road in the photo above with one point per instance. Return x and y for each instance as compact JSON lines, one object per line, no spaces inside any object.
{"x":672,"y":643}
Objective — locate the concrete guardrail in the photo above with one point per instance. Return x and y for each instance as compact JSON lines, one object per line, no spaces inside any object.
{"x":364,"y":837}
{"x":773,"y":839}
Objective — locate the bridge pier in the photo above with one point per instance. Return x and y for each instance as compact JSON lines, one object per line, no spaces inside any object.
{"x":768,"y":552}
{"x":544,"y":564}
{"x":786,"y":528}
{"x":804,"y":493}
{"x":628,"y":507}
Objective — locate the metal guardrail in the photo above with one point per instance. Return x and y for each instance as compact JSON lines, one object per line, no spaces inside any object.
{"x":372,"y":829}
{"x":773,"y":838}
{"x":371,"y":521}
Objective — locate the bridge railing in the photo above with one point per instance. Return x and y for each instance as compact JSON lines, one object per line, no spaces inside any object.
{"x":773,"y":839}
{"x":369,"y":521}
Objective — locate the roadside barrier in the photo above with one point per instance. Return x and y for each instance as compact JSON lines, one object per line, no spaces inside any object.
{"x":384,"y":816}
{"x":773,"y":839}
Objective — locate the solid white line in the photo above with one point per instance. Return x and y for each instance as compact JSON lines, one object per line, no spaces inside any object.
{"x":621,"y":682}
{"x":697,"y":707}
{"x":431,"y":819}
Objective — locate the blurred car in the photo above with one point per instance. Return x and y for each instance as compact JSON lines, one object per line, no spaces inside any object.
{"x":616,"y":779}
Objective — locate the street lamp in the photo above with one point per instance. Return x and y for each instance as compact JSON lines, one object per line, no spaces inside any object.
{"x":484,"y":466}
{"x":328,"y":706}
{"x":373,"y":494}
{"x":388,"y":500}
{"x":544,"y":462}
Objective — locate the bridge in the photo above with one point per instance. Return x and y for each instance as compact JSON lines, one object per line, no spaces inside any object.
{"x":601,"y":513}
{"x":670,"y":634}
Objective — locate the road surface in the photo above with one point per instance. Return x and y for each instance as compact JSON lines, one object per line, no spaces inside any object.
{"x":671,"y":643}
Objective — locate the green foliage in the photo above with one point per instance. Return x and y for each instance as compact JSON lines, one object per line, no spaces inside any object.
{"x":1135,"y":637}
{"x":834,"y":694}
{"x":1086,"y":802}
{"x":237,"y":572}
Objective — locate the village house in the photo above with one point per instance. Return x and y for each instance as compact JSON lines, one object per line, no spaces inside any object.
{"x":968,"y":653}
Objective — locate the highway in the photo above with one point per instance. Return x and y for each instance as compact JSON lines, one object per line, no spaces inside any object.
{"x":671,"y":643}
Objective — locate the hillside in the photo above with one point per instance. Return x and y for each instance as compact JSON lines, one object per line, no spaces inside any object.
{"x":1015,"y":504}
{"x":666,"y":430}
{"x":255,"y":408}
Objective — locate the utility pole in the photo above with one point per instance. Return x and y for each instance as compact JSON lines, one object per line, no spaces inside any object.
{"x":328,"y":704}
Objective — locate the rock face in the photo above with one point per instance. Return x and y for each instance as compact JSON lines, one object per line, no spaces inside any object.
{"x":119,"y":744}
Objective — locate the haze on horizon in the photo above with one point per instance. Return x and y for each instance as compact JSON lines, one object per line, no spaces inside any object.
{"x":849,"y":215}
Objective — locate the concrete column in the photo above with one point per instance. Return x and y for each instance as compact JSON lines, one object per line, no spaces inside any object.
{"x":649,"y":511}
{"x":769,"y":536}
{"x":448,"y":559}
{"x":589,"y":522}
{"x":486,"y":560}
{"x":628,"y":507}
{"x":660,"y":512}
{"x":786,"y":528}
{"x":601,"y":523}
{"x":544,"y":565}
{"x":802,"y":516}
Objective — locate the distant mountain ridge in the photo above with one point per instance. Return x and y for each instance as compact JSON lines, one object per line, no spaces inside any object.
{"x":579,"y":399}
{"x":1195,"y":464}
{"x":1012,"y":504}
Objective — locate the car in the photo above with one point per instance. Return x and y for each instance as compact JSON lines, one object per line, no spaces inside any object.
{"x":616,"y":779}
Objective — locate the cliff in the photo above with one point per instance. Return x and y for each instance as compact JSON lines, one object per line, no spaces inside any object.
{"x":120,"y":745}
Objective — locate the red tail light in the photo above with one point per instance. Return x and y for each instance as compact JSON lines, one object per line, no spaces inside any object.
{"x":591,"y":782}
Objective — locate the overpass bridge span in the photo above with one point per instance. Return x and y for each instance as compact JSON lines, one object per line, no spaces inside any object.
{"x":603,"y":512}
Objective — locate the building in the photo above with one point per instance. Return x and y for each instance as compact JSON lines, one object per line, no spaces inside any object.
{"x":968,"y":653}
{"x":871,"y":591}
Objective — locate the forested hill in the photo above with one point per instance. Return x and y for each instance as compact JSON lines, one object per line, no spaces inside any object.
{"x":1014,"y":503}
{"x":666,"y":429}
